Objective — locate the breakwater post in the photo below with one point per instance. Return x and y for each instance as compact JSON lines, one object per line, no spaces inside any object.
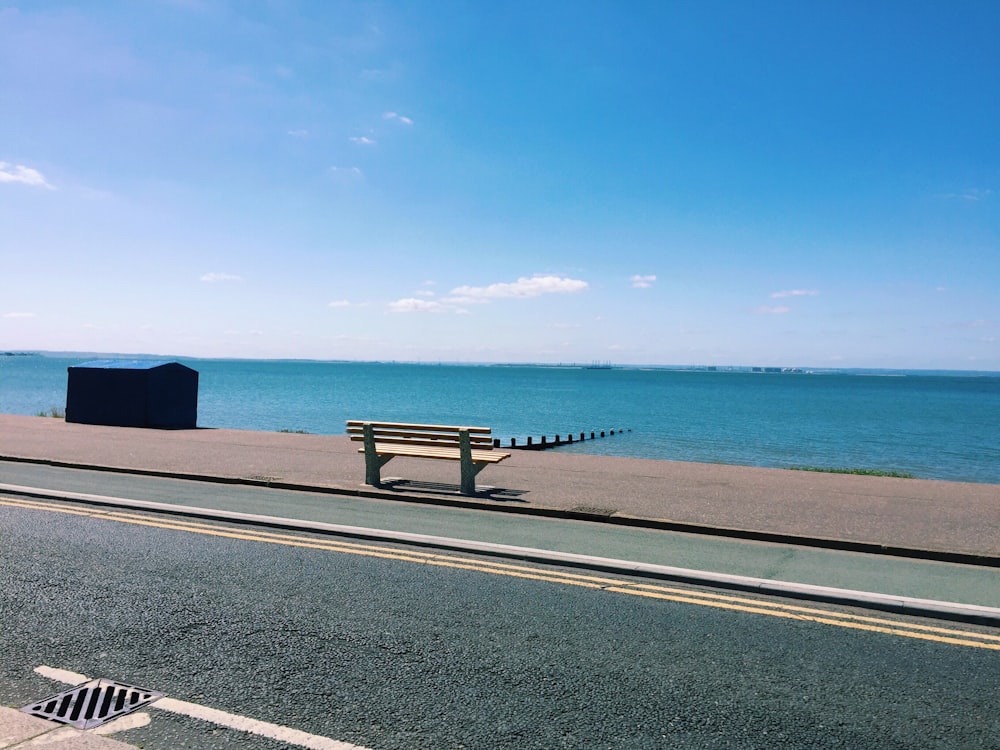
{"x":543,"y":442}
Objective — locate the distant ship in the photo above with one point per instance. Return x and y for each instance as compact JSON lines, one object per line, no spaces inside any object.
{"x":595,"y":365}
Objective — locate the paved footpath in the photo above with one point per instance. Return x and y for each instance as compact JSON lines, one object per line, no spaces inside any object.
{"x":20,"y":731}
{"x":943,"y":519}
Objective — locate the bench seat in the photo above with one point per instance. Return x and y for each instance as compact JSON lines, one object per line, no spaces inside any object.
{"x":448,"y":454}
{"x":383,"y":441}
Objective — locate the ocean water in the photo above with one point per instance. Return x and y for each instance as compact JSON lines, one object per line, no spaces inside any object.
{"x":936,"y":426}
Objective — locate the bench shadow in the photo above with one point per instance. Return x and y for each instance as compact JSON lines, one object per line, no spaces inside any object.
{"x":439,"y":488}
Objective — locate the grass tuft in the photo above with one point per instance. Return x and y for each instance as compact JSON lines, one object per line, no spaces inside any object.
{"x":53,"y":411}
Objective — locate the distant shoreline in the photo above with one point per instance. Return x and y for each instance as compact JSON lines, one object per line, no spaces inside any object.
{"x":722,"y":369}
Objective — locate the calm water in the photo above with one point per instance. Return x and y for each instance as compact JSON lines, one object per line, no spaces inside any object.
{"x":932,"y":426}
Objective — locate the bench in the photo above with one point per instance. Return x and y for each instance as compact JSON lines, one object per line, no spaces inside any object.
{"x":472,"y":447}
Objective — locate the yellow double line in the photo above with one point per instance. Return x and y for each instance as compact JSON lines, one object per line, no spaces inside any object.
{"x":950,"y":636}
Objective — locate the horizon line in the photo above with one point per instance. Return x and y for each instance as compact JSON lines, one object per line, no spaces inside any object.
{"x":764,"y":369}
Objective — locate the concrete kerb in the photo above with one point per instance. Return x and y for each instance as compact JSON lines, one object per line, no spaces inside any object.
{"x":461,"y":501}
{"x":952,"y":611}
{"x":19,"y":730}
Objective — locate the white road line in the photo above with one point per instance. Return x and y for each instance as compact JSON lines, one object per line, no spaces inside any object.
{"x":62,"y":675}
{"x":277,"y":732}
{"x":129,"y":721}
{"x":253,"y":726}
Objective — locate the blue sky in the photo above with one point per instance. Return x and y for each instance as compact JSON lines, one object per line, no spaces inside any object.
{"x":732,"y":183}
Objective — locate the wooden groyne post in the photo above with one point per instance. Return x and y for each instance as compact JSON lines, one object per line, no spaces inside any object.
{"x":543,"y":443}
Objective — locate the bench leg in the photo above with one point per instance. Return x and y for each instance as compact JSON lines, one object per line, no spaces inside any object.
{"x":373,"y":461}
{"x":373,"y":469}
{"x":469,"y":477}
{"x":469,"y":467}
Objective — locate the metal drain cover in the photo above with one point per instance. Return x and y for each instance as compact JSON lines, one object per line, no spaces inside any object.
{"x":92,"y":704}
{"x":593,"y":511}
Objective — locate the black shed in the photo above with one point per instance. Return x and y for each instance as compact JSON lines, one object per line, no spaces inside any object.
{"x":133,"y":393}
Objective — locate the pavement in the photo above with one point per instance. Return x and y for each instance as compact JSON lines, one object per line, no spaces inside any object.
{"x":923,"y":519}
{"x":19,"y":730}
{"x":949,"y":521}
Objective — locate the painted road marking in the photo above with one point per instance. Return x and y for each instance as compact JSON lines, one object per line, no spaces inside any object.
{"x":277,"y":732}
{"x":951,"y":636}
{"x":129,"y":721}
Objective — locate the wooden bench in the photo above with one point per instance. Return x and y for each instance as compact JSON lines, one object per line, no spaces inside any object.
{"x":383,"y":441}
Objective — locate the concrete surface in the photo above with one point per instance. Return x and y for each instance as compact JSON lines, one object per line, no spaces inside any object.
{"x":953,"y":521}
{"x":19,"y":730}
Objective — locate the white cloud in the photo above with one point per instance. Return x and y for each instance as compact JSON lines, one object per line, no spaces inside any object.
{"x":523,"y":287}
{"x":981,"y":323}
{"x":18,"y":315}
{"x":414,"y":305}
{"x":777,"y":310}
{"x":340,"y":303}
{"x":397,"y":117}
{"x":298,"y":133}
{"x":345,"y":172}
{"x":96,"y":194}
{"x":18,"y":173}
{"x":361,"y":140}
{"x":642,"y":282}
{"x":971,"y":194}
{"x":794,"y":293}
{"x":214,"y":277}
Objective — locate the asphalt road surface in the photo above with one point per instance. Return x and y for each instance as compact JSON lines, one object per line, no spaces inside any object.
{"x":388,"y":647}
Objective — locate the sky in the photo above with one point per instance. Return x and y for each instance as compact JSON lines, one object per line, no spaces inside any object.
{"x":697,"y":182}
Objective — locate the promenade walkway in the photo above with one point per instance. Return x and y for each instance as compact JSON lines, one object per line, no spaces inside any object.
{"x":943,"y":519}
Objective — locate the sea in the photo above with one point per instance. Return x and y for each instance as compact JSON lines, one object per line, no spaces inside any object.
{"x":931,"y":425}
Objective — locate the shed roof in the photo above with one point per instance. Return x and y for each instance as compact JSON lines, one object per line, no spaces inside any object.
{"x":126,"y":364}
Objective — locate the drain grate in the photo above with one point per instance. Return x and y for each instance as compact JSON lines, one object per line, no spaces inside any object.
{"x":92,"y":704}
{"x":593,"y":511}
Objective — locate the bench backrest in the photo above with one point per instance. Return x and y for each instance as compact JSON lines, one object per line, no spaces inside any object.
{"x":442,"y":436}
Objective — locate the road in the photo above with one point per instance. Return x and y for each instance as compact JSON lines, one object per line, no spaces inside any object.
{"x":387,"y":647}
